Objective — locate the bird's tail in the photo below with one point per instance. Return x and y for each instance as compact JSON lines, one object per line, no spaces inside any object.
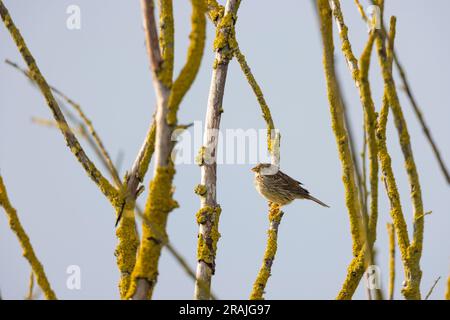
{"x":317,"y":200}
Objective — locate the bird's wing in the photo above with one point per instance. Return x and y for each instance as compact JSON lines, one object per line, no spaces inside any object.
{"x":289,"y":178}
{"x":286,"y":180}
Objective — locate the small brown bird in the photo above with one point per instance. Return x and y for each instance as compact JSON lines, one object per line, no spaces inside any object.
{"x":278,"y":187}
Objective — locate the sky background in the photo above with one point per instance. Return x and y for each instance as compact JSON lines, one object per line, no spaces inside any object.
{"x":104,"y":67}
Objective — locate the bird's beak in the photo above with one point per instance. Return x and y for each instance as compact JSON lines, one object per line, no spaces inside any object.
{"x":255,"y":169}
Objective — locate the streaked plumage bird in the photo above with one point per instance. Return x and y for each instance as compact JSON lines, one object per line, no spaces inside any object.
{"x":278,"y":187}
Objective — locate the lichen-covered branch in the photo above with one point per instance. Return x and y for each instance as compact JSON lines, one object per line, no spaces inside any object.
{"x":341,"y":135}
{"x":370,"y":120}
{"x":209,"y":213}
{"x":275,"y":215}
{"x":169,"y":95}
{"x":72,"y":142}
{"x":194,"y":56}
{"x":391,"y":234}
{"x":360,"y":77}
{"x":162,"y":70}
{"x":28,"y":251}
{"x":104,"y":155}
{"x":259,"y":95}
{"x":411,"y":256}
{"x":390,"y":183}
{"x":86,"y":126}
{"x":169,"y":246}
{"x":407,"y":88}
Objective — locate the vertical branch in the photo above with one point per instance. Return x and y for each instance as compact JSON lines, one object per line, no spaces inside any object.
{"x":339,"y":129}
{"x":390,"y":183}
{"x":209,"y":213}
{"x":360,"y":77}
{"x":391,"y":234}
{"x":275,"y":215}
{"x":25,"y":243}
{"x":160,"y":201}
{"x":341,"y":135}
{"x":158,"y":51}
{"x":413,"y":253}
{"x":360,"y":171}
{"x":370,"y":120}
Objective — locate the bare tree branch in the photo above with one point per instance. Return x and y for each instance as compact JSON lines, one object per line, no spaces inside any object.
{"x":208,"y":215}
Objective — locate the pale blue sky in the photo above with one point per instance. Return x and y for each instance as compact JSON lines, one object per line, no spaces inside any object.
{"x":104,"y":67}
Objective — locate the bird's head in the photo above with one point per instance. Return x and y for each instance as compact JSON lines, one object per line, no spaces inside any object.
{"x":265,"y":168}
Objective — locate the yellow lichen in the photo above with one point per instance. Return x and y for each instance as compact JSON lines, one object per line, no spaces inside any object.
{"x":215,"y":11}
{"x":354,"y":272}
{"x":127,"y":246}
{"x":166,"y":42}
{"x":200,"y":189}
{"x":200,"y":158}
{"x":224,"y":41}
{"x":207,"y":242}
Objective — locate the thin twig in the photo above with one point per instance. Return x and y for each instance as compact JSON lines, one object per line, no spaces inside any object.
{"x":432,"y":288}
{"x":30,"y":295}
{"x":87,"y":125}
{"x":72,"y":142}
